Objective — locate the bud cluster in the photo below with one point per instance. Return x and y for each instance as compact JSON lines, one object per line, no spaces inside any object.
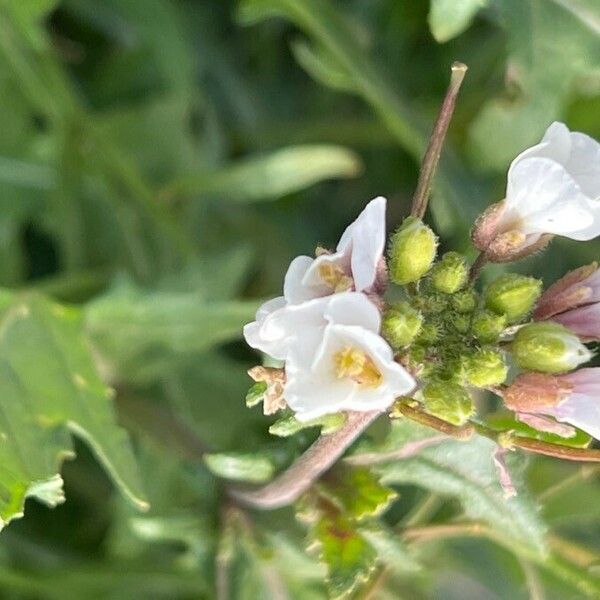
{"x":454,"y":338}
{"x":346,"y":348}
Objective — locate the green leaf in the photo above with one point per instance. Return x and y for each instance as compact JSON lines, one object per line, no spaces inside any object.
{"x":256,"y":394}
{"x":391,"y":550}
{"x":553,"y":45}
{"x":288,"y":426}
{"x":449,"y":18}
{"x":272,"y":176}
{"x":240,"y":467}
{"x":348,"y":556}
{"x":49,"y":387}
{"x":339,"y":60}
{"x":139,"y":334}
{"x":466,"y":471}
{"x":358,"y":491}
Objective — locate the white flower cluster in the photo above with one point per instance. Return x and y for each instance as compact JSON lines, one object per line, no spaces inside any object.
{"x":326,"y":327}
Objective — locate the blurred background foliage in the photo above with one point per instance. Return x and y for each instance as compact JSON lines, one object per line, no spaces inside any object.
{"x":161,"y":161}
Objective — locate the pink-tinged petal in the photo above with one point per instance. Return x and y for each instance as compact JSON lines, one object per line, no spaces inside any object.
{"x":583,"y":321}
{"x":499,"y":458}
{"x":365,"y":238}
{"x":581,"y":411}
{"x":584,"y":381}
{"x":572,"y":290}
{"x":546,"y":424}
{"x":542,"y":197}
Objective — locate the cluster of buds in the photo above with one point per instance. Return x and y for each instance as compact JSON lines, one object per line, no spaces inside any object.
{"x":343,"y":346}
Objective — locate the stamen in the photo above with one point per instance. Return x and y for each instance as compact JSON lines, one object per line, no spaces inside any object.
{"x":354,"y":364}
{"x":335,"y":277}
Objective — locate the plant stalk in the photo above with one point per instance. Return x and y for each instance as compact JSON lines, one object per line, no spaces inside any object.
{"x":299,"y":477}
{"x":434,"y":149}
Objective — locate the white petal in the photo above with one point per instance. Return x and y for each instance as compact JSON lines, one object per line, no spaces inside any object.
{"x":546,"y":199}
{"x":365,"y":237}
{"x":581,"y":411}
{"x":292,"y":326}
{"x":312,"y":279}
{"x":353,"y":308}
{"x":293,"y":289}
{"x":270,"y":306}
{"x":314,"y":390}
{"x":556,"y":145}
{"x":584,"y":164}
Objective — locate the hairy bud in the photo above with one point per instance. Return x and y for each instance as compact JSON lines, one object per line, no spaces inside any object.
{"x":450,"y":274}
{"x":513,"y":295}
{"x":548,"y":348}
{"x":487,"y":326}
{"x":412,"y":251}
{"x":465,"y":301}
{"x":401,"y":324}
{"x":448,"y":401}
{"x":485,"y":368}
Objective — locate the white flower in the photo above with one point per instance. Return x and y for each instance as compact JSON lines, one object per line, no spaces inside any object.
{"x":353,"y":266}
{"x":554,"y":187}
{"x":346,"y":366}
{"x":282,"y":328}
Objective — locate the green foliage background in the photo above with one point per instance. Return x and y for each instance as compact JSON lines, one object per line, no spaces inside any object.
{"x":161,"y":162}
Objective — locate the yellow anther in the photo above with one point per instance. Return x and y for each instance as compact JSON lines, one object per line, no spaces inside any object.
{"x":354,"y":364}
{"x":334,"y":276}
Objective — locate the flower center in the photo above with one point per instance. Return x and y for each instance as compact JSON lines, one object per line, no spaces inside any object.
{"x":335,"y":277}
{"x":356,"y":365}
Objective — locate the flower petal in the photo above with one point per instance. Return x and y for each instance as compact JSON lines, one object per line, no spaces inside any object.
{"x":353,"y":308}
{"x":581,"y":411}
{"x":365,"y":237}
{"x":542,"y":197}
{"x":294,"y":290}
{"x":584,"y":164}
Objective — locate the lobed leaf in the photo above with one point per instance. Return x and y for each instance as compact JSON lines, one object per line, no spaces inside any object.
{"x":49,"y":387}
{"x":465,"y":470}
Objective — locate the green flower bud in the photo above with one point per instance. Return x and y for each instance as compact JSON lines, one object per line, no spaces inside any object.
{"x":487,"y":326}
{"x":485,"y":368}
{"x":461,"y":323}
{"x":429,"y":334}
{"x":450,"y":274}
{"x":417,"y":354}
{"x":448,"y":401}
{"x":401,"y":324}
{"x":548,"y":347}
{"x":412,"y":251}
{"x":465,"y":301}
{"x":514,"y":295}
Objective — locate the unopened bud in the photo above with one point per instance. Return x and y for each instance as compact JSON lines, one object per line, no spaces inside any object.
{"x":485,"y":368}
{"x":401,"y":324}
{"x":502,"y":245}
{"x":465,"y":301}
{"x":487,"y":326}
{"x":448,"y":401}
{"x":513,"y":295}
{"x":429,"y":334}
{"x":549,"y":348}
{"x":461,"y":323}
{"x":412,"y":251}
{"x":450,"y":274}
